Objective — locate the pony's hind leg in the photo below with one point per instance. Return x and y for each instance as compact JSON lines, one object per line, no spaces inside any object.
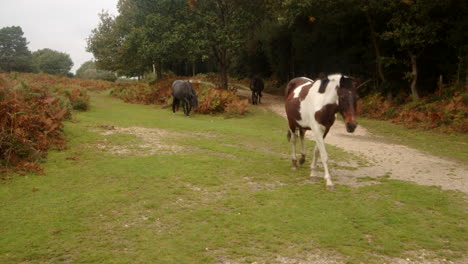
{"x":302,"y":134}
{"x":254,"y":98}
{"x":175,"y":104}
{"x":293,"y":136}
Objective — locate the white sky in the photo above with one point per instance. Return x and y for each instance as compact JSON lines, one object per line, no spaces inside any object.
{"x":61,"y":25}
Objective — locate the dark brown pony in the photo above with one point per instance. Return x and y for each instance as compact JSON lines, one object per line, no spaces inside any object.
{"x":183,"y":92}
{"x":256,"y":85}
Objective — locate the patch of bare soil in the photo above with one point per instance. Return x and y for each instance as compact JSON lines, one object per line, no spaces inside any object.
{"x":397,"y":161}
{"x":152,"y":141}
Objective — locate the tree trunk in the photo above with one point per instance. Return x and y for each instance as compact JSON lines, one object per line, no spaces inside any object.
{"x":193,"y":68}
{"x":466,"y":72}
{"x":414,"y":76}
{"x":223,"y":79}
{"x":223,"y":66}
{"x":378,"y":62}
{"x":159,"y":71}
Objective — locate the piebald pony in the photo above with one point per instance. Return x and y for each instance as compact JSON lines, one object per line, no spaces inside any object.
{"x":312,"y":105}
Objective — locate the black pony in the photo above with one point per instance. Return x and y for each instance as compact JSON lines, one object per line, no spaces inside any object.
{"x":183,"y":92}
{"x":256,"y":85}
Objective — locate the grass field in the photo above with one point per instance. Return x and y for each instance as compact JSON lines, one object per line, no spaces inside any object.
{"x":209,"y":190}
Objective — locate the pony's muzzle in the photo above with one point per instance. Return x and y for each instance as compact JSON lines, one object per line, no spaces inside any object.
{"x":350,"y":127}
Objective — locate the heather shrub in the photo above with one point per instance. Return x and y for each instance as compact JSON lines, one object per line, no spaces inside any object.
{"x":447,"y":109}
{"x":210,"y":99}
{"x":30,"y":123}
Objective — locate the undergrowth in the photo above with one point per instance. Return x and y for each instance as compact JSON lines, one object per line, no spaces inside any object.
{"x":211,"y":100}
{"x":32,"y":108}
{"x":447,"y":110}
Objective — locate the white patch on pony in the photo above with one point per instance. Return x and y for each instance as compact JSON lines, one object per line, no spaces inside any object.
{"x":298,"y":89}
{"x":315,"y":101}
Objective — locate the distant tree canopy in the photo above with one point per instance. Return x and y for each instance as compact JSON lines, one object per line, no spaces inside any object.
{"x":88,"y":70}
{"x":52,"y":62}
{"x":399,"y":44}
{"x":14,"y":52}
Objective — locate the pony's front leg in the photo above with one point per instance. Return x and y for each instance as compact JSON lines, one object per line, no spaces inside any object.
{"x":324,"y":157}
{"x":313,"y":164}
{"x":185,"y":105}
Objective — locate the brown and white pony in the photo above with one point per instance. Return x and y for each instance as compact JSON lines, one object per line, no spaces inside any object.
{"x":312,"y":105}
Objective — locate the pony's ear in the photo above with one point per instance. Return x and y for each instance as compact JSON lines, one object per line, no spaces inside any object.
{"x":346,"y":82}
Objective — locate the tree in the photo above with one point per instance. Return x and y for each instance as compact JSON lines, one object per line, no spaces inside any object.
{"x":225,"y":25}
{"x":52,"y":62}
{"x":413,"y":29}
{"x":14,"y":52}
{"x":88,"y":70}
{"x":105,"y":43}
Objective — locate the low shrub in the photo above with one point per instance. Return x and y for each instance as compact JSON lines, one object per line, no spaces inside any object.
{"x":30,"y":123}
{"x":448,"y":110}
{"x":32,"y":108}
{"x":210,"y":99}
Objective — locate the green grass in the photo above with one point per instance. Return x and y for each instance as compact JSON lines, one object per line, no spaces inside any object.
{"x":453,"y":145}
{"x":228,"y":196}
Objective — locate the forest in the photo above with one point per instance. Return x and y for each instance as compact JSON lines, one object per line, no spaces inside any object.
{"x":407,"y":48}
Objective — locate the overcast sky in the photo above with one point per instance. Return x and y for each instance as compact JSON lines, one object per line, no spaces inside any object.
{"x":61,"y":25}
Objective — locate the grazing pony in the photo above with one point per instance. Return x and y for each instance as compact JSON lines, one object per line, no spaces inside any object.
{"x":256,"y":85}
{"x":312,"y":105}
{"x":183,"y":92}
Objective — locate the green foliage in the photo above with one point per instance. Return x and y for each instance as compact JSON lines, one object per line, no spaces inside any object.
{"x":14,"y":53}
{"x":51,"y":62}
{"x":369,"y":39}
{"x":89,"y":71}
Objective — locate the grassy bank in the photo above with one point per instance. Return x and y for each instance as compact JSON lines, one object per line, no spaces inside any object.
{"x":450,"y":145}
{"x":209,"y":190}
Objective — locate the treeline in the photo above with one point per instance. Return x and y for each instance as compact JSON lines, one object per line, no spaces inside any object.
{"x":404,"y":46}
{"x":16,"y":56}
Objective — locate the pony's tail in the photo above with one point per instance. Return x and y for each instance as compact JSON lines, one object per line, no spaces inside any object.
{"x":289,"y":135}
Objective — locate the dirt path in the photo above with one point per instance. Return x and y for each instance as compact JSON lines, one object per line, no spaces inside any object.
{"x":397,"y":161}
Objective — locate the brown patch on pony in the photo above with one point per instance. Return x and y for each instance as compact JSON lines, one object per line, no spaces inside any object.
{"x":292,"y":111}
{"x":326,"y":116}
{"x":304,"y":91}
{"x":292,"y":104}
{"x":323,"y":85}
{"x":293,"y":84}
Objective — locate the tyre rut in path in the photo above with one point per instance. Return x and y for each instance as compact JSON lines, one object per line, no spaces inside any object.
{"x":397,"y":161}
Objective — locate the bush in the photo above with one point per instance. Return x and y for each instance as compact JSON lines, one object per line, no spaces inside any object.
{"x":447,"y":110}
{"x":32,"y":108}
{"x":30,"y":123}
{"x":210,"y":99}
